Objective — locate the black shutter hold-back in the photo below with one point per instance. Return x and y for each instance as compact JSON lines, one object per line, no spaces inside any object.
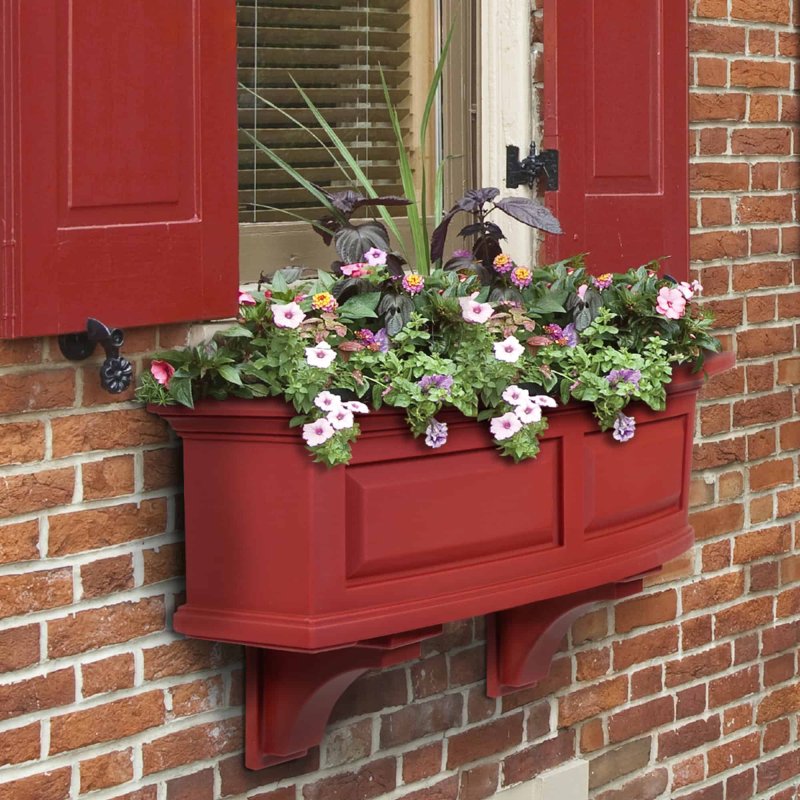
{"x":116,"y":372}
{"x":534,"y":165}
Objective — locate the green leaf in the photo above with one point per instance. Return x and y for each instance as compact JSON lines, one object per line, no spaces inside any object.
{"x":278,"y":283}
{"x":237,"y":332}
{"x":361,"y":305}
{"x":181,"y":390}
{"x":231,"y":374}
{"x":296,"y":422}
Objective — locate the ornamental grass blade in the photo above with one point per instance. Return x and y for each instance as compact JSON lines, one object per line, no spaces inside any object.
{"x":361,"y":177}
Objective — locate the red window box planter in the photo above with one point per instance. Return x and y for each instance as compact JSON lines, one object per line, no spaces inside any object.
{"x":296,"y":559}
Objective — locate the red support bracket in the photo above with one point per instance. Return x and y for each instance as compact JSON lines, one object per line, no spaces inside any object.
{"x":521,"y":642}
{"x":289,"y":695}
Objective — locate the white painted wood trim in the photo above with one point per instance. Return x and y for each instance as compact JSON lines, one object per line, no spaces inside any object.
{"x":506,"y":104}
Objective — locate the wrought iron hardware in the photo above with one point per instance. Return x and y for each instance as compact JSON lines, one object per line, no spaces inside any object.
{"x":116,"y":372}
{"x":545,"y":162}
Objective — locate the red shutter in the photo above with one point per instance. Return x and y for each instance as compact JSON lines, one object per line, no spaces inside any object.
{"x":118,"y":153}
{"x":616,"y":78}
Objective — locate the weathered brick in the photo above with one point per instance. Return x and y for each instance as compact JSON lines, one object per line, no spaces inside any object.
{"x":639,"y":719}
{"x":88,"y":630}
{"x":19,"y":542}
{"x":192,"y":744}
{"x":584,"y":703}
{"x":636,"y":649}
{"x":723,"y":691}
{"x":688,"y":737}
{"x":104,"y":527}
{"x":36,"y":491}
{"x":18,"y":745}
{"x":21,"y":442}
{"x":108,"y":674}
{"x":760,"y":10}
{"x":107,"y":575}
{"x":421,"y":719}
{"x":36,"y":694}
{"x":109,"y":769}
{"x":110,"y":477}
{"x":485,"y":740}
{"x":106,"y":723}
{"x":743,"y":616}
{"x":525,"y":764}
{"x":698,"y":666}
{"x":779,"y":703}
{"x":624,"y":760}
{"x":52,"y":785}
{"x":733,"y":753}
{"x":712,"y":591}
{"x":200,"y":786}
{"x":422,"y":763}
{"x":35,"y":591}
{"x":106,"y":430}
{"x":36,"y":391}
{"x":373,"y":780}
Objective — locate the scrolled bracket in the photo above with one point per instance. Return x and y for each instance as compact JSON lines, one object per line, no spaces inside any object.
{"x":116,"y":372}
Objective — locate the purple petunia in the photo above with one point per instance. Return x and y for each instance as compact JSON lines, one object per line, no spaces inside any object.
{"x":435,"y":382}
{"x":566,"y":336}
{"x":624,"y":427}
{"x":631,"y":376}
{"x":436,"y":433}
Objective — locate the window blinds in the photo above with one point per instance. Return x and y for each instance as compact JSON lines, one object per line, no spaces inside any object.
{"x":333,"y":49}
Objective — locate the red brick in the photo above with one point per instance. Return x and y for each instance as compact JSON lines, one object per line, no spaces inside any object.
{"x":760,"y":275}
{"x":760,"y":410}
{"x":788,"y":502}
{"x":723,"y":691}
{"x":763,"y":177}
{"x":760,"y":10}
{"x":716,"y":38}
{"x":646,"y":610}
{"x":37,"y":694}
{"x":192,"y":744}
{"x":712,"y":72}
{"x":525,"y":764}
{"x":35,"y":591}
{"x":764,"y":576}
{"x":778,"y":770}
{"x":688,"y":771}
{"x":745,"y":648}
{"x":717,"y":521}
{"x":422,"y":763}
{"x":443,"y":790}
{"x":104,"y":527}
{"x":776,"y":735}
{"x":737,"y":718}
{"x":593,"y":626}
{"x":36,"y":391}
{"x":713,"y":107}
{"x":202,"y":695}
{"x":780,"y":702}
{"x":640,"y":719}
{"x":696,"y":632}
{"x":761,"y":141}
{"x":647,"y":681}
{"x":761,"y":510}
{"x":418,"y":720}
{"x":18,"y":745}
{"x":733,"y":753}
{"x":779,"y":670}
{"x":636,"y":649}
{"x":19,"y":647}
{"x":21,"y":442}
{"x":109,"y":769}
{"x":719,"y":176}
{"x":195,"y":655}
{"x":20,"y":351}
{"x":765,"y":208}
{"x":690,"y":702}
{"x":106,"y":576}
{"x":758,"y":544}
{"x":688,"y":737}
{"x":760,"y":342}
{"x":716,"y":556}
{"x":697,"y":666}
{"x":764,"y":241}
{"x":713,"y":142}
{"x":467,"y":666}
{"x":585,"y":703}
{"x":591,"y":664}
{"x":106,"y":430}
{"x":200,"y":786}
{"x":110,"y":477}
{"x":98,"y":627}
{"x":644,"y":787}
{"x":161,"y":468}
{"x":236,"y":779}
{"x":743,"y":616}
{"x":760,"y":74}
{"x":592,"y":736}
{"x":717,"y":454}
{"x":608,"y":767}
{"x":106,"y":723}
{"x":108,"y":674}
{"x":53,"y":785}
{"x":485,"y":740}
{"x":712,"y":591}
{"x":715,"y":211}
{"x":373,"y":780}
{"x":36,"y":491}
{"x":761,"y":444}
{"x":479,"y":782}
{"x":19,"y":542}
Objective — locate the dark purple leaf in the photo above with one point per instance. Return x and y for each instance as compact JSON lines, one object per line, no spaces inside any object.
{"x":387,"y":200}
{"x":439,"y":235}
{"x":474,"y":200}
{"x":486,"y":249}
{"x":460,"y":262}
{"x":352,"y":241}
{"x":394,"y":263}
{"x":529,"y":212}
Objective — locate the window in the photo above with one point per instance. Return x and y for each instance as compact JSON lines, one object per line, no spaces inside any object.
{"x":334,"y":49}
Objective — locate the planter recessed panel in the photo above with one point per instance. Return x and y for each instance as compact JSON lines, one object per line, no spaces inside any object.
{"x":407,"y":497}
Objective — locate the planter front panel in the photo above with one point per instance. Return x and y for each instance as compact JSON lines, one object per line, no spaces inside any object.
{"x":282,"y":552}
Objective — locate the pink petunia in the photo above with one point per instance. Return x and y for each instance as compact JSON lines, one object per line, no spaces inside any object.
{"x":327,"y":401}
{"x":509,"y":350}
{"x":506,"y":426}
{"x":357,"y":407}
{"x":246,"y":299}
{"x":671,"y":303}
{"x":321,"y":355}
{"x":288,"y":316}
{"x":375,"y":257}
{"x":528,"y":412}
{"x":473,"y":311}
{"x":516,"y":396}
{"x":318,"y":432}
{"x":162,"y":371}
{"x":544,"y":401}
{"x":355,"y":270}
{"x":340,"y":418}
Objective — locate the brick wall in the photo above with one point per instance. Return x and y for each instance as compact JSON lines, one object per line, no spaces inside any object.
{"x":689,"y":691}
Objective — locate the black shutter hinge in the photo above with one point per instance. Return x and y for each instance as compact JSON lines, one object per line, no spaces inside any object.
{"x":116,"y":372}
{"x":533,"y":166}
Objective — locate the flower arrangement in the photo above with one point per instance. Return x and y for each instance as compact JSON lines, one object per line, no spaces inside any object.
{"x":479,"y":333}
{"x":496,"y":340}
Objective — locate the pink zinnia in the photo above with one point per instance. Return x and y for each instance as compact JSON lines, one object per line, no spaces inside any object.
{"x":162,"y":371}
{"x":473,"y":311}
{"x":317,"y":433}
{"x":506,"y":426}
{"x":671,"y":303}
{"x":355,"y":270}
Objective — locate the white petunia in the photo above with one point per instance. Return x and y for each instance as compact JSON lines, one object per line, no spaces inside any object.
{"x":505,"y":427}
{"x":515,"y":396}
{"x":327,"y":401}
{"x":508,"y":350}
{"x":340,"y":418}
{"x":321,"y":355}
{"x":318,"y":432}
{"x":528,"y":412}
{"x":288,"y":316}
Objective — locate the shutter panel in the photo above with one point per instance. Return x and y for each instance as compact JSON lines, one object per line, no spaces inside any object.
{"x":333,"y":50}
{"x":118,"y":124}
{"x":616,"y":87}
